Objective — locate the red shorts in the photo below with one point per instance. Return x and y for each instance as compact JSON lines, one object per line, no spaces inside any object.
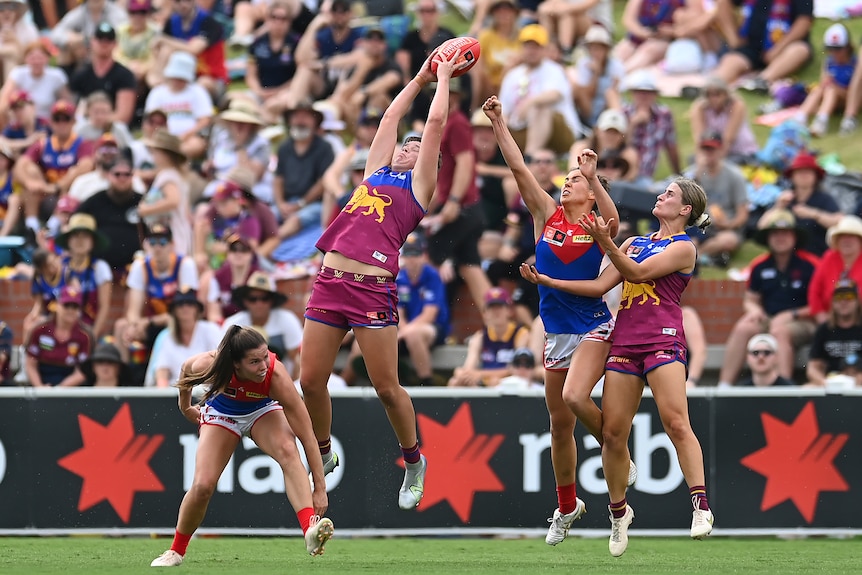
{"x":639,"y":360}
{"x":345,"y":300}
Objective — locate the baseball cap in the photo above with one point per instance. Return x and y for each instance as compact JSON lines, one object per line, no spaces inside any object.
{"x":370,"y":116}
{"x":63,"y":108}
{"x":711,"y":140}
{"x":160,"y":231}
{"x":836,"y":36}
{"x":523,"y":357}
{"x":19,"y":97}
{"x":340,"y":6}
{"x":534,"y":33}
{"x":640,"y":81}
{"x":497,"y":296}
{"x":105,"y":31}
{"x":762,"y":339}
{"x":598,"y":34}
{"x":107,"y":140}
{"x":228,"y":190}
{"x":845,"y":285}
{"x":67,"y":205}
{"x":414,"y":245}
{"x":69,"y":294}
{"x":375,"y":32}
{"x":612,"y":119}
{"x":139,"y":6}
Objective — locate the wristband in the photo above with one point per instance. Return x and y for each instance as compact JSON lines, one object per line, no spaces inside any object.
{"x":454,"y":200}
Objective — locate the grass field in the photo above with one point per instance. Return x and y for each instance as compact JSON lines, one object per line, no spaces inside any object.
{"x":253,"y":556}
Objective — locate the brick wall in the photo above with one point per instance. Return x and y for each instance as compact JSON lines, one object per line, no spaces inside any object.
{"x":719,"y":303}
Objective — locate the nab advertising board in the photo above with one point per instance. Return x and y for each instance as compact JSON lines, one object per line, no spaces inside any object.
{"x":83,"y":461}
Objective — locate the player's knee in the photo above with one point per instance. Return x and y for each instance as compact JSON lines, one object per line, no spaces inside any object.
{"x":615,"y":437}
{"x":286,"y":454}
{"x":677,"y":428}
{"x":575,"y":399}
{"x":562,"y":427}
{"x":388,"y":394}
{"x":203,"y":488}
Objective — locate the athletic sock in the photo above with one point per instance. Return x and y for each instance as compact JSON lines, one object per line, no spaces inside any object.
{"x":325,"y":446}
{"x":698,"y":497}
{"x":566,"y":498}
{"x":181,"y":543}
{"x":411,"y":455}
{"x":618,"y":509}
{"x":304,"y":516}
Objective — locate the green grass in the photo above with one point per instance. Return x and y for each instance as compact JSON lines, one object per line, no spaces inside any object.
{"x":252,"y":556}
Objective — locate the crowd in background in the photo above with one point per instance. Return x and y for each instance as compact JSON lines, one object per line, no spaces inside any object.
{"x":188,"y":153}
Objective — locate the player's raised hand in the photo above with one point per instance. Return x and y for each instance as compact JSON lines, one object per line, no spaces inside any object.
{"x":447,"y":66}
{"x":493,"y":108}
{"x":587,"y":162}
{"x":425,"y":75}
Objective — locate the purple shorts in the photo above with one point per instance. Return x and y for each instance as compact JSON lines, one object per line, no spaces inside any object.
{"x":345,"y":300}
{"x":639,"y":360}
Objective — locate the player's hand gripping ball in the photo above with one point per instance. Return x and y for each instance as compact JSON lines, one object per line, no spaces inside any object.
{"x":470,"y":51}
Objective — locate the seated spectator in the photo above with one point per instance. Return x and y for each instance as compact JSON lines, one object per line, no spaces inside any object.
{"x":6,"y":339}
{"x":192,"y":31}
{"x":232,"y":216}
{"x":500,"y":48}
{"x":272,"y":64}
{"x":114,"y":210}
{"x":776,"y":298}
{"x":853,"y":102}
{"x":167,"y":201}
{"x":99,"y":120}
{"x":771,"y":40}
{"x":695,"y":341}
{"x":48,"y":167}
{"x":490,"y":351}
{"x":762,"y":362}
{"x":105,"y":368}
{"x":261,"y":306}
{"x":44,"y":83}
{"x":217,"y":285}
{"x":134,"y":39}
{"x":720,"y":111}
{"x":55,"y":349}
{"x":837,"y":344}
{"x":597,"y":76}
{"x":106,"y":154}
{"x":16,"y":32}
{"x":491,"y":169}
{"x":188,"y":106}
{"x":45,"y":287}
{"x":651,"y":29}
{"x":523,"y":368}
{"x":10,"y":194}
{"x":63,"y":211}
{"x":569,"y":21}
{"x":424,"y":311}
{"x":91,"y":278}
{"x":609,"y":138}
{"x":24,"y":128}
{"x":728,"y":203}
{"x":249,"y":19}
{"x":186,"y":334}
{"x":614,"y":168}
{"x":651,"y":126}
{"x":75,"y":32}
{"x":537,"y":97}
{"x":830,"y":94}
{"x":815,"y":209}
{"x":841,"y":261}
{"x":101,"y":73}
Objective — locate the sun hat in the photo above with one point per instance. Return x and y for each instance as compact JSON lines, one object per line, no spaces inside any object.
{"x":612,"y":119}
{"x":779,"y":220}
{"x":181,"y":66}
{"x":258,"y":281}
{"x":848,"y":225}
{"x":242,"y":112}
{"x":164,"y":140}
{"x":805,"y":161}
{"x":106,"y":352}
{"x":331,"y":116}
{"x":81,"y":222}
{"x":598,"y":34}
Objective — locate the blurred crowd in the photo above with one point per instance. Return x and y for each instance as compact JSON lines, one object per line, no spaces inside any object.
{"x":188,"y":154}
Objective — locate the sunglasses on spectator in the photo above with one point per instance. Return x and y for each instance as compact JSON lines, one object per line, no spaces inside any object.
{"x":761,"y":352}
{"x":258,"y":298}
{"x":122,"y":174}
{"x":139,"y":12}
{"x":427,"y":10}
{"x":239,"y":249}
{"x":61,"y":118}
{"x":70,"y":305}
{"x":161,"y":241}
{"x":845,"y":296}
{"x":279,"y":17}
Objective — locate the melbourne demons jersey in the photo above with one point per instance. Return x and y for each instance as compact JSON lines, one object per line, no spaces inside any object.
{"x":650,"y":311}
{"x":567,"y":252}
{"x":57,"y":160}
{"x":243,"y":397}
{"x":376,"y":221}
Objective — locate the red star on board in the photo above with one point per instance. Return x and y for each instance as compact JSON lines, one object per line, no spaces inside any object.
{"x":458,"y":462}
{"x":798,"y":462}
{"x":114,"y":463}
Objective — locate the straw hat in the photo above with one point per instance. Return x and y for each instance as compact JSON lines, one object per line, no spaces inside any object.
{"x":259,"y":281}
{"x":243,"y":112}
{"x":242,"y":177}
{"x":163,"y":140}
{"x":847,"y":226}
{"x":83,"y":223}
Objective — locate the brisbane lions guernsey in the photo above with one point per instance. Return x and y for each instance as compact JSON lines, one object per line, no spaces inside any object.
{"x":650,"y":311}
{"x":243,"y":397}
{"x":567,"y":252}
{"x":372,"y":227}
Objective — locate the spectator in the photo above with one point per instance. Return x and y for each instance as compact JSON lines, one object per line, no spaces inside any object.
{"x":491,"y":169}
{"x":248,"y":15}
{"x":104,"y":74}
{"x":186,"y":334}
{"x":45,"y":84}
{"x":815,"y":209}
{"x":188,"y":106}
{"x":776,"y":296}
{"x":104,"y":158}
{"x":597,"y":76}
{"x":48,"y":167}
{"x":115,"y":213}
{"x":500,"y":49}
{"x":830,"y":93}
{"x":45,"y":287}
{"x":272,"y":62}
{"x":423,"y":309}
{"x":24,"y":128}
{"x":193,"y":31}
{"x":650,"y":27}
{"x":56,"y":348}
{"x":837,"y":343}
{"x":854,"y":101}
{"x":771,"y":40}
{"x":728,"y":203}
{"x":609,"y":137}
{"x":153,"y":120}
{"x":841,"y":261}
{"x":262,"y":307}
{"x":16,"y":32}
{"x":454,"y":218}
{"x":6,"y":338}
{"x":99,"y":120}
{"x":523,"y":368}
{"x":614,"y":168}
{"x":217,"y":285}
{"x":490,"y":351}
{"x":762,"y":361}
{"x":232,"y":216}
{"x":105,"y":367}
{"x":538,"y":97}
{"x":238,"y":143}
{"x":568,"y":21}
{"x":88,"y":276}
{"x":720,"y":111}
{"x":63,"y":211}
{"x":134,"y":39}
{"x":10,"y":194}
{"x":76,"y":30}
{"x":167,"y":201}
{"x":651,"y":126}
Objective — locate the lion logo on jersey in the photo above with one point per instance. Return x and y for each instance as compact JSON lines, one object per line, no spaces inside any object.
{"x":373,"y":201}
{"x":632,"y":291}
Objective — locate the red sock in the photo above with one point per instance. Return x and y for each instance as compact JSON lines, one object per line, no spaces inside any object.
{"x":566,"y":497}
{"x":181,"y":543}
{"x":304,"y":516}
